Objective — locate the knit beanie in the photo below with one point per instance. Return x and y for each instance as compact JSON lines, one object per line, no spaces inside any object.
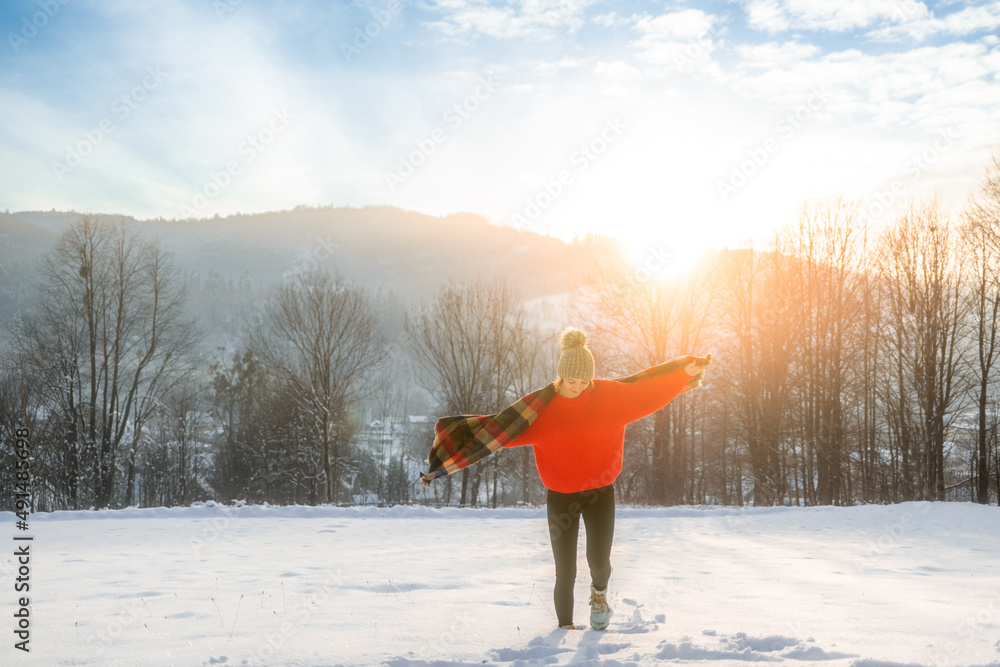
{"x":575,"y":359}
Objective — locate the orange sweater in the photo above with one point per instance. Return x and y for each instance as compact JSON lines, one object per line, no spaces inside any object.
{"x":579,"y":442}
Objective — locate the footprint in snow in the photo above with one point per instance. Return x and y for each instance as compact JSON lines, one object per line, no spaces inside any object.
{"x":539,"y":648}
{"x":743,"y":647}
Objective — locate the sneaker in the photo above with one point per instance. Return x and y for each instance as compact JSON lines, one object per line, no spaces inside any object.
{"x":600,"y":612}
{"x":570,"y":626}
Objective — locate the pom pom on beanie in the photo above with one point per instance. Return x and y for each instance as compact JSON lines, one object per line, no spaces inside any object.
{"x":570,"y":338}
{"x":576,"y":362}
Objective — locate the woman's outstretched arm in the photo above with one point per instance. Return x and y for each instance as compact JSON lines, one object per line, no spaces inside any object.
{"x":646,"y":395}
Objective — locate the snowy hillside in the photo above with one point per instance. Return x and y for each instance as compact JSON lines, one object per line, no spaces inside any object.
{"x":868,"y":586}
{"x":378,"y":247}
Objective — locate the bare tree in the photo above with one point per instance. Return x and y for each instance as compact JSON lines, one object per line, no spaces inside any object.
{"x":532,"y":369}
{"x":922,"y":276}
{"x":642,"y":321}
{"x":16,"y":402}
{"x":176,"y":468}
{"x":876,"y":474}
{"x":463,"y":340}
{"x":826,"y":252}
{"x":981,"y":236}
{"x":322,"y":336}
{"x":758,"y":305}
{"x":107,"y":331}
{"x":386,"y":440}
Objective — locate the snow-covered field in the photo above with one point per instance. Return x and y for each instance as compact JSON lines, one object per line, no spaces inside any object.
{"x":915,"y":583}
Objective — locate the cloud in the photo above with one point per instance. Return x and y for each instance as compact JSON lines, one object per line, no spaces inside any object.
{"x":914,"y":88}
{"x":678,"y":40}
{"x":683,"y":26}
{"x":775,"y":55}
{"x":219,"y":83}
{"x":766,"y":15}
{"x":967,"y":21}
{"x":516,"y":19}
{"x":774,"y":16}
{"x":609,"y":20}
{"x":618,"y":71}
{"x":618,"y":79}
{"x":352,"y":120}
{"x":549,"y":67}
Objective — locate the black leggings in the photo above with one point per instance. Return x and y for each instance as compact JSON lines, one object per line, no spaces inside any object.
{"x":564,"y":509}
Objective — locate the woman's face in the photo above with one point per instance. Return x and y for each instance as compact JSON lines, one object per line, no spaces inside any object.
{"x":571,"y":388}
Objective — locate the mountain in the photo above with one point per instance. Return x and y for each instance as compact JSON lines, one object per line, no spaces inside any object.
{"x":402,"y":251}
{"x":21,"y":245}
{"x":18,"y":236}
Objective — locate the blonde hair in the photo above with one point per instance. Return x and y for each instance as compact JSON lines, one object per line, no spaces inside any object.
{"x":559,"y":383}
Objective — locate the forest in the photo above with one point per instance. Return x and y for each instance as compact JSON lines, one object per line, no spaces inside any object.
{"x":853,"y":364}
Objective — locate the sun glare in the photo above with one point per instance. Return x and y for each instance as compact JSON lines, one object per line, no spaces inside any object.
{"x":661,"y":259}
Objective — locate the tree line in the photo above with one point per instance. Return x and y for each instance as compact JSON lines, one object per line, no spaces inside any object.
{"x":852,"y":365}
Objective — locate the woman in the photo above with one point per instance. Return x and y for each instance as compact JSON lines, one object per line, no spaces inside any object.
{"x":578,"y":441}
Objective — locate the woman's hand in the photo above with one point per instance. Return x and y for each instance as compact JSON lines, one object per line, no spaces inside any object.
{"x":698,"y":365}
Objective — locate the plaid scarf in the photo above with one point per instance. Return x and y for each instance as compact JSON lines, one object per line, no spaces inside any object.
{"x":461,"y":440}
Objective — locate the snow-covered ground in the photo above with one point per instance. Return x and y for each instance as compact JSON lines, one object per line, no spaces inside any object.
{"x":915,"y":583}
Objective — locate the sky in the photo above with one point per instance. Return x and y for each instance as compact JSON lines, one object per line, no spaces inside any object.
{"x":692,"y":124}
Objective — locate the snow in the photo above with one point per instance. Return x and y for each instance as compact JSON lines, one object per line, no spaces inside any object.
{"x":871,"y":586}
